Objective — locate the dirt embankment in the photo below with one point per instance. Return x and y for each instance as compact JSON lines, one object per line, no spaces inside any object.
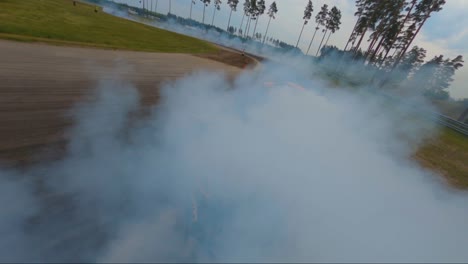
{"x":232,"y":57}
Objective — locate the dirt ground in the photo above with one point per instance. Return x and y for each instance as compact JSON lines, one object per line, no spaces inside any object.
{"x":39,"y":83}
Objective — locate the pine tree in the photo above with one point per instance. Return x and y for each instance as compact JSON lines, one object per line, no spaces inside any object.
{"x":411,"y":62}
{"x":372,"y":12}
{"x":358,"y":13}
{"x":260,"y":10}
{"x":387,"y":26}
{"x":233,"y":5}
{"x":192,"y":2}
{"x":251,"y":16}
{"x":248,"y":13}
{"x":436,"y":75}
{"x":245,"y":8}
{"x":321,"y":20}
{"x":423,"y":11}
{"x":271,"y":14}
{"x":307,"y":15}
{"x":413,"y":59}
{"x":332,"y":23}
{"x":205,"y":4}
{"x":397,"y":29}
{"x":217,"y":6}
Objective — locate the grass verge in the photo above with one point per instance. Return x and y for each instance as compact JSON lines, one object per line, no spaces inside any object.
{"x":447,"y":153}
{"x":62,"y":23}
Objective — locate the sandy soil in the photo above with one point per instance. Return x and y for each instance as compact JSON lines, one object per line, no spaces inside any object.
{"x":39,"y":83}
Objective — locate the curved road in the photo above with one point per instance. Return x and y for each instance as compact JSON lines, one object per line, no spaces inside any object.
{"x":40,"y":82}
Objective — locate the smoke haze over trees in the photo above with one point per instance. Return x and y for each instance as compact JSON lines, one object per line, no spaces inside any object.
{"x":382,"y":36}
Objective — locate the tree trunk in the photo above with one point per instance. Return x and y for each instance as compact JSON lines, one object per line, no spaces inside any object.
{"x":191,"y":5}
{"x":409,"y":43}
{"x":326,"y":42}
{"x":266,"y":32}
{"x":360,"y":40}
{"x":370,"y":49}
{"x":372,"y":44}
{"x":350,"y":36}
{"x":387,"y":52}
{"x":212,"y":20}
{"x":401,"y":28}
{"x":385,"y":57}
{"x":246,"y":25}
{"x":377,"y":49}
{"x":242,"y":21}
{"x":312,"y":40}
{"x":255,"y":28}
{"x":324,"y":34}
{"x":204,"y":7}
{"x":248,"y":28}
{"x":359,"y":43}
{"x":229,"y":21}
{"x":300,"y":35}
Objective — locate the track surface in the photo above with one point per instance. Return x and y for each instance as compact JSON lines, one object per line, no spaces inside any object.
{"x":39,"y":83}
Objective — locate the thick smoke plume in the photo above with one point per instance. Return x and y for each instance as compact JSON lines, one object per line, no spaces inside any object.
{"x":235,"y":171}
{"x":211,"y":35}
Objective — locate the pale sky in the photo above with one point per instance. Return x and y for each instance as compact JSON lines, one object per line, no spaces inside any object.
{"x":445,"y":32}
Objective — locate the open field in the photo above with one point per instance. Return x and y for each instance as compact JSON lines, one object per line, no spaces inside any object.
{"x":60,"y":22}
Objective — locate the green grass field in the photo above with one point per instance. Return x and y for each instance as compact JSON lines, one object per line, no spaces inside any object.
{"x":447,"y":154}
{"x":60,"y":22}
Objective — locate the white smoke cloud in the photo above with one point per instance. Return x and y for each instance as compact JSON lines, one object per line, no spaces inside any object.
{"x":275,"y":174}
{"x":17,"y":204}
{"x":211,"y":35}
{"x":288,"y":24}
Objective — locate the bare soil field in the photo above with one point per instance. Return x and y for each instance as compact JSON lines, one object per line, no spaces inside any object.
{"x":39,"y":83}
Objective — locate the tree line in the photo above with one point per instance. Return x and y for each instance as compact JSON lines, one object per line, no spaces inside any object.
{"x":392,"y":26}
{"x":388,"y":27}
{"x":328,"y":20}
{"x":252,"y":11}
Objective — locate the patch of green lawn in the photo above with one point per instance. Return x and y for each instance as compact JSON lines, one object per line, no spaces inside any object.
{"x":447,"y":153}
{"x":60,"y":22}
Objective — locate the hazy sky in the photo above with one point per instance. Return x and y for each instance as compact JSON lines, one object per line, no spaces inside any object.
{"x":445,"y":33}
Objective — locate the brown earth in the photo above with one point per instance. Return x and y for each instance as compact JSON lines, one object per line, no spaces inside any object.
{"x":39,"y":83}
